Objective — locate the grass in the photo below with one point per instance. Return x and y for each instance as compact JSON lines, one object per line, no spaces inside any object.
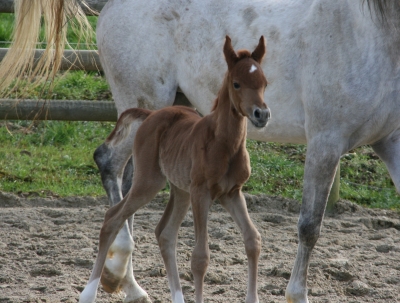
{"x":7,"y":23}
{"x":77,"y":85}
{"x":54,"y":158}
{"x":51,"y":158}
{"x":277,"y":169}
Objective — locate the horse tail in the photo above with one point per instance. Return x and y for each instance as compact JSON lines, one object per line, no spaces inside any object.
{"x":20,"y":61}
{"x":123,"y":126}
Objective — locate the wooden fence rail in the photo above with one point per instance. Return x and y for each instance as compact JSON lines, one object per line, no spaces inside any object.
{"x":66,"y":110}
{"x":73,"y":60}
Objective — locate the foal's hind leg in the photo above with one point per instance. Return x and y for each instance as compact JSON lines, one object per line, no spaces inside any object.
{"x":388,"y":150}
{"x":117,"y":180}
{"x":235,"y":204}
{"x":146,"y":185}
{"x":167,"y":234}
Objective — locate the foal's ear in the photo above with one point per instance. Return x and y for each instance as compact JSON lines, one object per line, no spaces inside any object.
{"x":259,"y":52}
{"x":230,"y":54}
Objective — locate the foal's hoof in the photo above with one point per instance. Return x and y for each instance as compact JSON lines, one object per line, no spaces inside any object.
{"x":144,"y":299}
{"x":110,"y":282}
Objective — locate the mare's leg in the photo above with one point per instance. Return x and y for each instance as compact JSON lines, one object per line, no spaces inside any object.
{"x":167,"y":234}
{"x":201,"y":202}
{"x":111,"y":162}
{"x":146,"y":184}
{"x":235,"y":204}
{"x":321,"y":162}
{"x":388,"y":150}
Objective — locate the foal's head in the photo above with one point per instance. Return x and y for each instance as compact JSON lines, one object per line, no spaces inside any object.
{"x":246,"y":82}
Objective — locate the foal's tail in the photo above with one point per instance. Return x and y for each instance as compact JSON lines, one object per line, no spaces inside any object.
{"x":123,"y":126}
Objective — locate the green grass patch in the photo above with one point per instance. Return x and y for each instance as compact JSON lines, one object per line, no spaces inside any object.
{"x":55,"y":158}
{"x":365,"y":180}
{"x":75,"y":85}
{"x":6,"y":28}
{"x":51,"y":157}
{"x":277,"y":169}
{"x":273,"y":172}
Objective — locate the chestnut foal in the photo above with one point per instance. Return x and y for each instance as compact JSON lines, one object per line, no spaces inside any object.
{"x":204,"y":159}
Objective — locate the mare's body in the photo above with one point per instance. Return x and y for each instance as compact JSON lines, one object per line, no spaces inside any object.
{"x":332,"y":66}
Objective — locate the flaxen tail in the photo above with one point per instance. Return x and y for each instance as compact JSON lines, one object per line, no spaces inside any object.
{"x":19,"y":62}
{"x":123,"y":126}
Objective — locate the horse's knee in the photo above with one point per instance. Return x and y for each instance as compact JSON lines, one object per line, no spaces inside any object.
{"x":166,"y":244}
{"x":199,"y":263}
{"x":116,"y":170}
{"x":101,"y":156}
{"x":253,"y":243}
{"x":309,"y":231}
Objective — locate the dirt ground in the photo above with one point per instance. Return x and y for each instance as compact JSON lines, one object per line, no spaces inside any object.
{"x":49,"y":245}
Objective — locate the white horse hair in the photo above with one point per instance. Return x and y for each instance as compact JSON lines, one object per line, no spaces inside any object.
{"x":333,"y":70}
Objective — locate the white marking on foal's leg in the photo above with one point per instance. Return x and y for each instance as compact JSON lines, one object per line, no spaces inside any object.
{"x":134,"y":293}
{"x":178,"y":298}
{"x":252,"y":68}
{"x":88,"y":295}
{"x":119,"y":252}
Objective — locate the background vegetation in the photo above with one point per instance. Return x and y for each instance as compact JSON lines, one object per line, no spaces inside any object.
{"x":54,"y":158}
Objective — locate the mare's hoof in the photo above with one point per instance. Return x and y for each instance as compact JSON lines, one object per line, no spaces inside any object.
{"x":144,"y":299}
{"x":110,"y":282}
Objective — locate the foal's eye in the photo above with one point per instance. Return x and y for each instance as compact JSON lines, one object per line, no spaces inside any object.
{"x":236,"y":85}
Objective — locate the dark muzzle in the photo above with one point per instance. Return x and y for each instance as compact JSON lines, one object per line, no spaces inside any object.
{"x":260,"y":117}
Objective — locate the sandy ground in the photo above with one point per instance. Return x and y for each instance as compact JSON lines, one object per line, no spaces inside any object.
{"x":49,"y":245}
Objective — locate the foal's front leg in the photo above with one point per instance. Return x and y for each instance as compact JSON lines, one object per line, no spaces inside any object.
{"x":235,"y":204}
{"x":167,"y":234}
{"x":201,"y":202}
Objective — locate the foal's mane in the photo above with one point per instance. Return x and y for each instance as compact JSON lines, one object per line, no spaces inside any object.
{"x":242,"y":54}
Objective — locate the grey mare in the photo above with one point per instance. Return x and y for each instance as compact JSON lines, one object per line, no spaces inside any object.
{"x":333,"y":69}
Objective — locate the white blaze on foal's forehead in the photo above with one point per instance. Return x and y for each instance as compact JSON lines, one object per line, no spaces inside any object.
{"x":252,"y":68}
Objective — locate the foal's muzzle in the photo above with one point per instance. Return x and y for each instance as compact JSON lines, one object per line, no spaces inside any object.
{"x":260,"y":117}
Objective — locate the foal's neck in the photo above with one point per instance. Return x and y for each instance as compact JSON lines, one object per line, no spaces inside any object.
{"x":231,"y":126}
